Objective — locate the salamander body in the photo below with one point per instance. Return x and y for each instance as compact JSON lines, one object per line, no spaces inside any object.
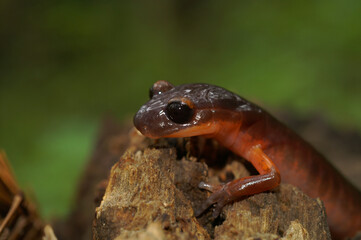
{"x":252,"y":133}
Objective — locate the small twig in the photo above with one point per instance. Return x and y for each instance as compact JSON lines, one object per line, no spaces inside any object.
{"x":14,"y":206}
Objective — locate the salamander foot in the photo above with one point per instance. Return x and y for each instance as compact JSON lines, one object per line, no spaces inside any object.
{"x":219,"y":198}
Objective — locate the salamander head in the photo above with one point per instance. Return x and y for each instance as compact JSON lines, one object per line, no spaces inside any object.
{"x":182,"y":111}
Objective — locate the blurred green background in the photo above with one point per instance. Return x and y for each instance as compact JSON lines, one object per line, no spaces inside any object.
{"x":64,"y":64}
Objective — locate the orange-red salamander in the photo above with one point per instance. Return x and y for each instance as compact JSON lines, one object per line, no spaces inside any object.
{"x":249,"y":131}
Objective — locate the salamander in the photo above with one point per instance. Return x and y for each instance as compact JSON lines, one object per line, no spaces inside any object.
{"x":252,"y":133}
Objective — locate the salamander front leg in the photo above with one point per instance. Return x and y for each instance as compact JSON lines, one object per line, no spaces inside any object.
{"x":222,"y":195}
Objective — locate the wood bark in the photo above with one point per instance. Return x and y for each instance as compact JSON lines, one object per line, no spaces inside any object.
{"x":153,"y":191}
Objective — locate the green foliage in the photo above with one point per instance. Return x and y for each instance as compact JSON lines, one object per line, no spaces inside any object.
{"x":64,"y":64}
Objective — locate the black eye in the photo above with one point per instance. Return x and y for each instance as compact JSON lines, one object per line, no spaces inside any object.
{"x":151,"y":93}
{"x":179,"y":112}
{"x":159,"y":87}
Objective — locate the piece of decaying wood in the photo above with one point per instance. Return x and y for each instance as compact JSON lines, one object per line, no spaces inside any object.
{"x":152,"y":192}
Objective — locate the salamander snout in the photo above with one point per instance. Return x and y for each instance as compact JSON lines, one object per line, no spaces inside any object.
{"x":139,"y":123}
{"x":150,"y":122}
